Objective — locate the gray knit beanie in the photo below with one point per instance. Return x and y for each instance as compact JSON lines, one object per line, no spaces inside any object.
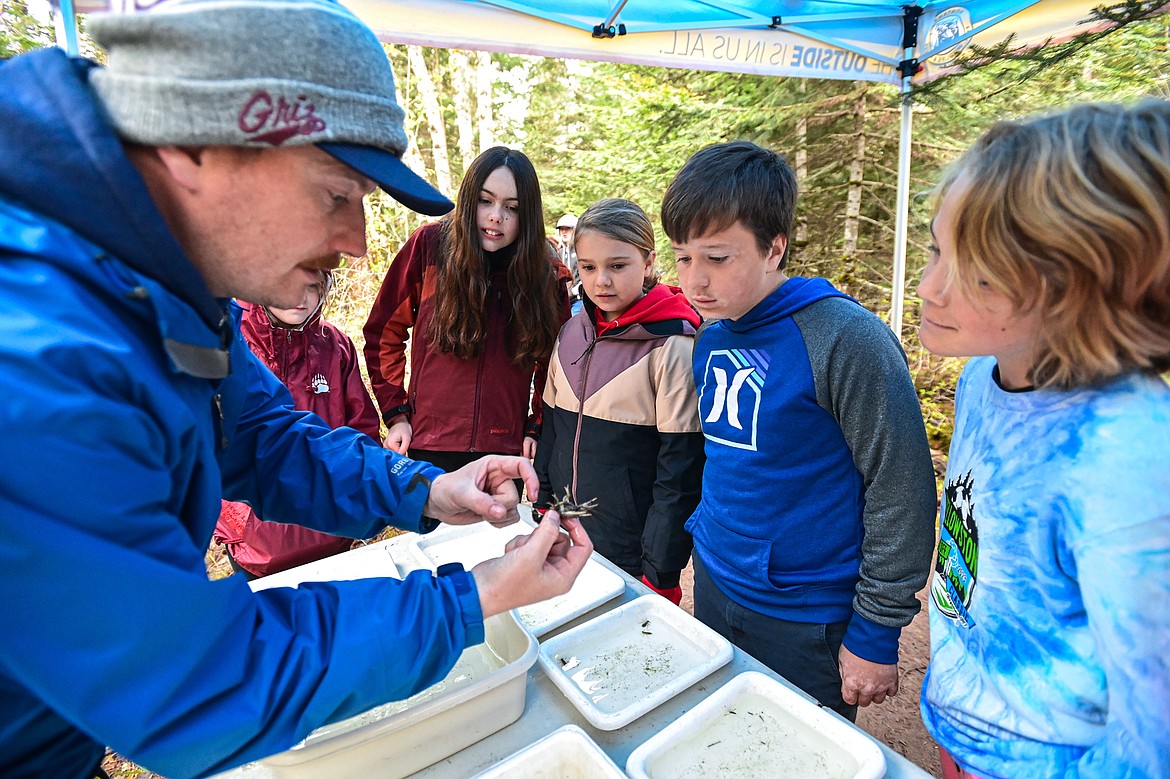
{"x":260,"y":73}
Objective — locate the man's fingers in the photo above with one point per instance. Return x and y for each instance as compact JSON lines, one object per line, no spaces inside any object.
{"x":577,"y":533}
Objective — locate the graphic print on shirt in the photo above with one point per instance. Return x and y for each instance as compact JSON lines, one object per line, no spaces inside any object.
{"x":729,"y":396}
{"x":957,"y":566}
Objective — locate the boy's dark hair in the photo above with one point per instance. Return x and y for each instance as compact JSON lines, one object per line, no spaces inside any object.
{"x":730,"y":182}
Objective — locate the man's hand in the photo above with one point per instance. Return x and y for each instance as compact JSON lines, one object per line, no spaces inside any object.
{"x":482,"y":490}
{"x":398,"y":437}
{"x":529,"y":447}
{"x":863,"y":682}
{"x":535,"y":567}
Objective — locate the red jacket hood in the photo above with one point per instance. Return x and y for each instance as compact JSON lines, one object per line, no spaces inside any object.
{"x":663,"y":302}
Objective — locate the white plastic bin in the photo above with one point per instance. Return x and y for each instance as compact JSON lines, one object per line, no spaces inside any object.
{"x":566,"y":753}
{"x":484,"y":693}
{"x":755,"y":727}
{"x":620,"y":665}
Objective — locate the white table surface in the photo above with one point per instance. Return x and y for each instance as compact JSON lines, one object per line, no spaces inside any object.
{"x":547,"y":709}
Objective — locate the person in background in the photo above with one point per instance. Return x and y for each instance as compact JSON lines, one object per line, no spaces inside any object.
{"x":136,"y":200}
{"x":816,"y":523}
{"x":1050,"y":266}
{"x":479,"y":298}
{"x":319,"y":365}
{"x":565,"y":227}
{"x":621,"y":423}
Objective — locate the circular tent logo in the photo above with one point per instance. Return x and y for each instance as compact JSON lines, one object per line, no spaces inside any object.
{"x":950,"y":25}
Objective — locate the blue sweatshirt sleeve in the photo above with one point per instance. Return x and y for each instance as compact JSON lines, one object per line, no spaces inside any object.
{"x":1123,"y":583}
{"x":1117,"y":511}
{"x":862,"y":379}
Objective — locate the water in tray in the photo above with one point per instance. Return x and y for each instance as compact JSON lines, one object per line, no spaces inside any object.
{"x":750,"y":741}
{"x":623,"y":665}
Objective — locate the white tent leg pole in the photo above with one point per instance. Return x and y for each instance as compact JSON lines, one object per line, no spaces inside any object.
{"x":902,"y":216}
{"x":65,"y":26}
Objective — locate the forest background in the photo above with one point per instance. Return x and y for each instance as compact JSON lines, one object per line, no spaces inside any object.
{"x":598,"y":130}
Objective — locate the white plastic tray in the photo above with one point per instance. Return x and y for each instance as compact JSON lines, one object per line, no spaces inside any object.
{"x":620,"y":665}
{"x":754,"y":727}
{"x":484,"y":692}
{"x":469,"y":544}
{"x":366,"y":562}
{"x":595,"y":585}
{"x":566,"y":753}
{"x":472,"y":544}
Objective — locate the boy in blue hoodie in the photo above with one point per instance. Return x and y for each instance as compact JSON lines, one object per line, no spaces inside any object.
{"x":816,"y":523}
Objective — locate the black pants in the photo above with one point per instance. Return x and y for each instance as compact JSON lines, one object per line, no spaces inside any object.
{"x":803,"y":653}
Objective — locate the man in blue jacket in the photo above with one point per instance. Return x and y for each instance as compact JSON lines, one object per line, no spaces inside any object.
{"x":225,"y":152}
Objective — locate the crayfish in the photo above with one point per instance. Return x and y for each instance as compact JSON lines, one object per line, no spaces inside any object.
{"x":566,"y":507}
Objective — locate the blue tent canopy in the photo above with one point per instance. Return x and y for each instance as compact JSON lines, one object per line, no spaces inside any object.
{"x":870,"y":40}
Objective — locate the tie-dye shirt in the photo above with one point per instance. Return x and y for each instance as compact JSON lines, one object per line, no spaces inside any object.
{"x":1050,"y":601}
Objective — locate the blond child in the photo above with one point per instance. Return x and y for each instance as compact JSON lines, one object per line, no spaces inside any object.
{"x":1051,"y":265}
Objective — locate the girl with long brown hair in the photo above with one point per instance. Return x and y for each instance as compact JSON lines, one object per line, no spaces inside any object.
{"x":479,"y":298}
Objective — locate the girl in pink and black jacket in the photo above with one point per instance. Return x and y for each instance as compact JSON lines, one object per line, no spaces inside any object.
{"x":621,"y":420}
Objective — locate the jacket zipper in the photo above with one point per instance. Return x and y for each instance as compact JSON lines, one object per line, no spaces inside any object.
{"x":581,"y":411}
{"x":479,"y":389}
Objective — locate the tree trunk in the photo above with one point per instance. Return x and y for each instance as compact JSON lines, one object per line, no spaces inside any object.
{"x":800,"y":229}
{"x":462,"y":83}
{"x":434,"y":114}
{"x":856,"y":174}
{"x":485,"y":116}
{"x":412,"y":157}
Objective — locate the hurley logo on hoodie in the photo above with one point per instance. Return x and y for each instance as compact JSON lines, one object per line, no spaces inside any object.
{"x":729,"y":397}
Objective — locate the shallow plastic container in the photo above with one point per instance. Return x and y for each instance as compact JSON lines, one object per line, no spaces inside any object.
{"x":366,"y":562}
{"x":620,"y":665}
{"x":595,"y":585}
{"x":755,"y":727}
{"x":566,"y":753}
{"x":485,"y":692}
{"x":472,"y":544}
{"x":466,"y":544}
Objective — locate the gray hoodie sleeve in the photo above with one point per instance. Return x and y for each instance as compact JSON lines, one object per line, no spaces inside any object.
{"x":862,"y":379}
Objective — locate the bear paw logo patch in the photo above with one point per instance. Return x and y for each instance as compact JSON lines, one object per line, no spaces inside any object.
{"x":320,"y":384}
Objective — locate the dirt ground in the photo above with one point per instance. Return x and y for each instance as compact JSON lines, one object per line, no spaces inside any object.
{"x":897,"y":721}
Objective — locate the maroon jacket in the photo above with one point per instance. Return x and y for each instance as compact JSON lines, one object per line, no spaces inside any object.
{"x":319,"y":365}
{"x":484,"y":404}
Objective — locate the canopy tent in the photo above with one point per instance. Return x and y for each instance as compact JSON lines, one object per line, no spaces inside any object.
{"x":870,"y":40}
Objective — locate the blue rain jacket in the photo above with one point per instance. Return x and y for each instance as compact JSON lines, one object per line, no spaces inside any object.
{"x":131,"y":406}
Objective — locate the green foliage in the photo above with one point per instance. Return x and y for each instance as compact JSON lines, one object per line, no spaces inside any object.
{"x":598,"y":130}
{"x":602,"y":130}
{"x":20,"y":31}
{"x":1137,"y":56}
